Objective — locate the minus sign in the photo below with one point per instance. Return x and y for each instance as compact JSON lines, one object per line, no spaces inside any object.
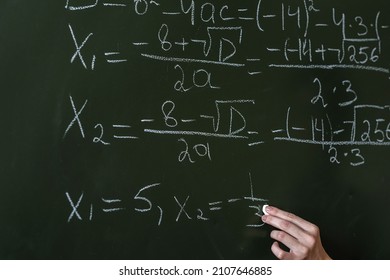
{"x":215,"y":203}
{"x":385,"y":26}
{"x":254,"y":198}
{"x":114,"y":5}
{"x":116,"y":61}
{"x":273,"y":50}
{"x":140,"y":44}
{"x":187,"y":121}
{"x":111,"y":200}
{"x":112,"y":210}
{"x":255,"y":226}
{"x":147,"y":120}
{"x":255,"y":73}
{"x":121,"y":126}
{"x":338,"y":131}
{"x":111,"y":53}
{"x":256,"y":143}
{"x":246,"y":18}
{"x":171,"y":13}
{"x":125,"y":137}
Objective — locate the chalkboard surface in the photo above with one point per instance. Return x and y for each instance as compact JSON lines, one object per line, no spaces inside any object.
{"x":154,"y":129}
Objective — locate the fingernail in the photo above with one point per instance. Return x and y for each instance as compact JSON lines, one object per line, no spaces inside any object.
{"x":264,"y":218}
{"x":266,"y":209}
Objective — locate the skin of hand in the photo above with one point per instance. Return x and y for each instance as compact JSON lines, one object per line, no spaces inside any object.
{"x":300,"y":236}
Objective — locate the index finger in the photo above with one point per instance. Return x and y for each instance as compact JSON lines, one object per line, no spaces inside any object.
{"x":305,"y":225}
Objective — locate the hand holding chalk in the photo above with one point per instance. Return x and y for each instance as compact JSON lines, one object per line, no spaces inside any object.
{"x":300,"y":236}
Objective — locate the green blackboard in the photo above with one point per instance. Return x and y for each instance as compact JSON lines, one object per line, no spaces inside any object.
{"x":158,"y":129}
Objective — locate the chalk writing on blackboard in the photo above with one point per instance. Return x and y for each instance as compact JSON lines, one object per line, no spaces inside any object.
{"x":219,"y":37}
{"x":355,"y":45}
{"x":359,"y":44}
{"x":355,"y":131}
{"x":142,"y":203}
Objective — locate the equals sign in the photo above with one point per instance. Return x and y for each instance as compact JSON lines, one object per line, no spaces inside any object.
{"x":123,"y":136}
{"x":254,"y":143}
{"x":214,"y":206}
{"x":244,"y":17}
{"x":109,"y":54}
{"x":253,"y":60}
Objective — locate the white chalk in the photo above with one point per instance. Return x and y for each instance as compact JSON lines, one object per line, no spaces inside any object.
{"x":264,"y":211}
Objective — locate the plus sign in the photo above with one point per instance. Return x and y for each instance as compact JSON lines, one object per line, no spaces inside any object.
{"x":183,"y":43}
{"x":322,"y":51}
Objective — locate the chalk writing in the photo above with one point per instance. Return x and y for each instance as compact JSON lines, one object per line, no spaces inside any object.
{"x":230,"y":123}
{"x":142,"y":203}
{"x":359,"y":37}
{"x":209,"y":61}
{"x":235,"y":125}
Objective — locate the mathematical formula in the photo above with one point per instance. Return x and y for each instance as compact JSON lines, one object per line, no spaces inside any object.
{"x":141,"y":203}
{"x":368,"y":125}
{"x":359,"y":43}
{"x":196,"y":41}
